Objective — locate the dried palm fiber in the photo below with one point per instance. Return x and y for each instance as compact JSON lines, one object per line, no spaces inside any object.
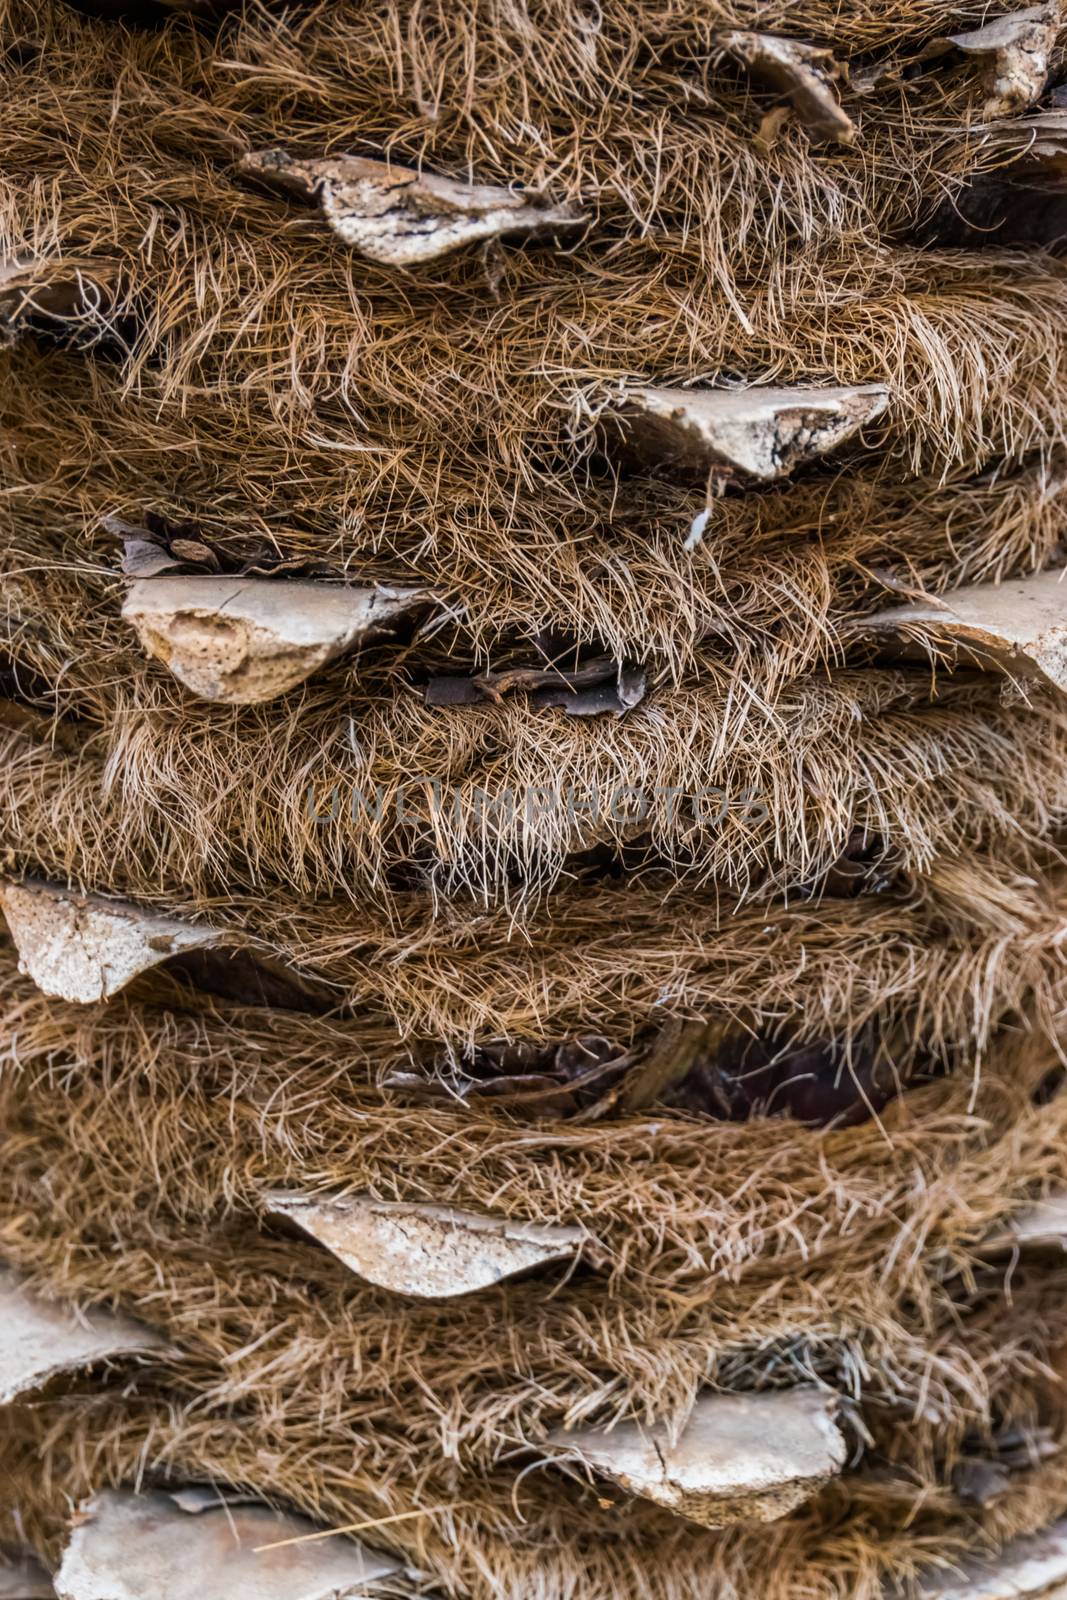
{"x":772,"y":573}
{"x":275,"y":1334}
{"x":275,"y":397}
{"x":147,"y":790}
{"x":935,"y":969}
{"x":496,"y":498}
{"x":153,"y":784}
{"x":648,"y":120}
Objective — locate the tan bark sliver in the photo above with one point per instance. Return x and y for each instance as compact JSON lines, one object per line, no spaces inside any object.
{"x":430,"y":1251}
{"x":243,"y":640}
{"x":400,"y":217}
{"x":126,"y":1546}
{"x":739,"y":1458}
{"x":41,"y":1340}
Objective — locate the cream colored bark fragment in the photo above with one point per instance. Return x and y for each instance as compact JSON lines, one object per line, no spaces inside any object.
{"x":40,"y":1340}
{"x":433,"y":1252}
{"x":1032,"y":1568}
{"x":126,"y":1546}
{"x":23,"y":1578}
{"x":759,"y":433}
{"x":85,"y":948}
{"x":243,"y":640}
{"x":1042,"y":1226}
{"x":1018,"y":47}
{"x":400,"y":217}
{"x":1019,"y":625}
{"x":740,"y":1458}
{"x":807,"y":74}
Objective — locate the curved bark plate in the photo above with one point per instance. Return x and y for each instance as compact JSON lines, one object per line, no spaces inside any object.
{"x":759,"y":433}
{"x":1042,"y":1226}
{"x":432,"y":1252}
{"x":23,"y":1578}
{"x":85,"y":948}
{"x":1018,"y":47}
{"x":1018,"y":626}
{"x":40,"y":1340}
{"x":402,"y":218}
{"x":806,"y":74}
{"x":1025,"y":1569}
{"x":126,"y":1546}
{"x":245,"y":640}
{"x":739,"y":1458}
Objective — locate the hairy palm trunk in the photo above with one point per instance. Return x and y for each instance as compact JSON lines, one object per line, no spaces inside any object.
{"x":533,"y":775}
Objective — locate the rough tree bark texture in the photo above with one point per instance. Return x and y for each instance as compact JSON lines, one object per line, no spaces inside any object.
{"x":533,"y":784}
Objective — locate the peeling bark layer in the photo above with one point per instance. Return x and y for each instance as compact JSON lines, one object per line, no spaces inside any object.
{"x":1042,"y":1226}
{"x":1019,"y":626}
{"x":759,"y":433}
{"x":740,"y":1458}
{"x":806,"y":74}
{"x":23,"y":1578}
{"x":85,"y":948}
{"x":40,"y":1340}
{"x":400,"y":217}
{"x":1026,"y":1569}
{"x":429,"y":1251}
{"x":69,"y":305}
{"x":244,"y":640}
{"x":1020,"y":201}
{"x":126,"y":1546}
{"x":1015,"y":50}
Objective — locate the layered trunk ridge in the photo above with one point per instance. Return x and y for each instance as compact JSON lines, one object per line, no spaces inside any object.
{"x":533,"y":790}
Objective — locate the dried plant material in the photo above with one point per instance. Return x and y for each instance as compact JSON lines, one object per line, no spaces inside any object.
{"x":1042,"y":1226}
{"x":23,"y":1578}
{"x":432,"y":1252}
{"x":592,"y":689}
{"x":400,"y":217}
{"x":865,"y":866}
{"x":155,"y":544}
{"x":980,"y":1483}
{"x":1039,"y":143}
{"x":1021,"y":201}
{"x":672,"y":1055}
{"x":126,"y":1546}
{"x":148,"y":12}
{"x":1026,"y":1569}
{"x":51,"y":298}
{"x":1018,"y":47}
{"x":197,"y":1497}
{"x":984,"y":1474}
{"x":806,"y":73}
{"x":1019,"y":626}
{"x":740,"y":1457}
{"x":40,"y":1341}
{"x":85,"y":948}
{"x":244,"y":640}
{"x":759,"y":433}
{"x":737,"y":1076}
{"x":143,"y":559}
{"x":575,"y":1078}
